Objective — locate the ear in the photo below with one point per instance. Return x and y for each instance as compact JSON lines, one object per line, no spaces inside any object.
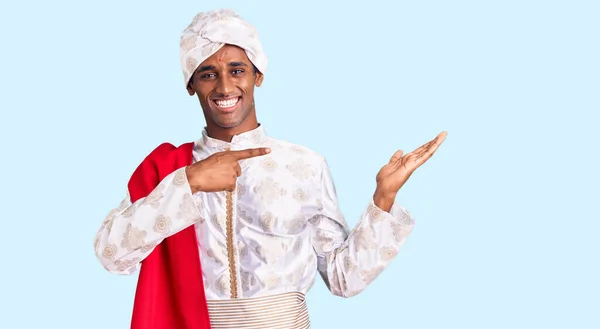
{"x":190,"y":89}
{"x":258,"y":80}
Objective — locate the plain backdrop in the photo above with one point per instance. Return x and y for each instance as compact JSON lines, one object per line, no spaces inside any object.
{"x":507,"y":210}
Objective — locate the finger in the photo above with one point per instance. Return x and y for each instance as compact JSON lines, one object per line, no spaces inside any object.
{"x":421,"y":148}
{"x":231,"y":186}
{"x":249,"y":153}
{"x":238,"y":169}
{"x":432,"y":143}
{"x":430,"y":150}
{"x":397,"y":156}
{"x":437,"y":142}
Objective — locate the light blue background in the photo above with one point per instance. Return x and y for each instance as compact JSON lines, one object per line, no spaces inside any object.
{"x":507,"y":210}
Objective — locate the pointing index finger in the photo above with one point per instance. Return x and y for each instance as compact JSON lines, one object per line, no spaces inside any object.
{"x":250,"y":153}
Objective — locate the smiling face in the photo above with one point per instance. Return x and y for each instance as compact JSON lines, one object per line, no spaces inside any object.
{"x":225,"y":85}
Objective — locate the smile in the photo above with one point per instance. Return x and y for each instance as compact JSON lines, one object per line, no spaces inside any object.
{"x":227,"y":105}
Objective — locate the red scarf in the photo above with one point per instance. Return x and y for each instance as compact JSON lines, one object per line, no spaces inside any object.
{"x":170,"y":290}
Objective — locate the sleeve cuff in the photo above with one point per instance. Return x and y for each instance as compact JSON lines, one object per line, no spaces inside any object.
{"x":397,"y":214}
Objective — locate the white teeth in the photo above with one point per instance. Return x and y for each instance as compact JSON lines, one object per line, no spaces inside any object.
{"x":227,"y":103}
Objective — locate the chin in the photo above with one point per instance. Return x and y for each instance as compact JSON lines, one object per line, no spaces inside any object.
{"x":227,"y":122}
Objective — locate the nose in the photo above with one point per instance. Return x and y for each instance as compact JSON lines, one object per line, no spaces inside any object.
{"x":225,"y":86}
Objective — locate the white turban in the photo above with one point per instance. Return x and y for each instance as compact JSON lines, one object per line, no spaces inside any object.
{"x":209,"y":31}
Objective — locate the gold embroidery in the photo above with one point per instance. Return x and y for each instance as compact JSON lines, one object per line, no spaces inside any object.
{"x":300,"y":169}
{"x":162,"y":225}
{"x":148,"y":247}
{"x":375,"y":213}
{"x":369,"y":275}
{"x":180,"y":178}
{"x":296,"y":225}
{"x":364,"y":239}
{"x":191,"y":65}
{"x":348,"y":264}
{"x":129,"y":211}
{"x":400,"y":231}
{"x":133,"y":238}
{"x":269,"y":190}
{"x":230,"y":256}
{"x":267,"y":222}
{"x":297,"y":248}
{"x":123,"y":265}
{"x":187,"y":209}
{"x":268,"y":165}
{"x":243,"y":215}
{"x":300,"y":195}
{"x":109,"y":251}
{"x":216,"y":220}
{"x":241,"y":190}
{"x":387,"y":253}
{"x":248,"y":281}
{"x":273,"y":281}
{"x":211,"y":254}
{"x":188,"y":43}
{"x":153,"y":199}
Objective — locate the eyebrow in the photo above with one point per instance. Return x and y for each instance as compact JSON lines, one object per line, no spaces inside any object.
{"x":212,"y":67}
{"x":237,"y":64}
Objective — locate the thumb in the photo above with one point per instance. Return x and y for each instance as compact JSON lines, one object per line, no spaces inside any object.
{"x":397,"y":156}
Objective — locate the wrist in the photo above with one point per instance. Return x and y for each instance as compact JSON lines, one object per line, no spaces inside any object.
{"x":191,"y":182}
{"x":383,"y":200}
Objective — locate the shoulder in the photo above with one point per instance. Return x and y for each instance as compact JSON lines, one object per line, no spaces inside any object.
{"x":299,"y":160}
{"x":300,"y":152}
{"x":164,"y":155}
{"x":166,"y":149}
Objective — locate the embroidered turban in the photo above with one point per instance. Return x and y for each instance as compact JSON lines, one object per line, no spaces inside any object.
{"x":211,"y":30}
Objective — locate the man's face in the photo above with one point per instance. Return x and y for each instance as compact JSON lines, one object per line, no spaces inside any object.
{"x":225,"y":84}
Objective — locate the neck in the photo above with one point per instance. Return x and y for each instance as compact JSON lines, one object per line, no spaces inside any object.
{"x":226,"y":133}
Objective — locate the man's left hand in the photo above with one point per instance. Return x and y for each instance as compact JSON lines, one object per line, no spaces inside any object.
{"x":401,"y":166}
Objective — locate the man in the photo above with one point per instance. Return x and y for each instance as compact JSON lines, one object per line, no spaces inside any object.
{"x":229,"y":231}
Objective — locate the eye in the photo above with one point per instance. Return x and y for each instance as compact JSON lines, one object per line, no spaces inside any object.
{"x":237,"y":71}
{"x":207,"y":76}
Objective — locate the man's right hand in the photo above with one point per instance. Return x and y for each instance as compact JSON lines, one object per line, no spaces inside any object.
{"x":219,"y":172}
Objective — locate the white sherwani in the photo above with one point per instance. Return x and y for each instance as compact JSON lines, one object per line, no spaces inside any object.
{"x":265,"y":241}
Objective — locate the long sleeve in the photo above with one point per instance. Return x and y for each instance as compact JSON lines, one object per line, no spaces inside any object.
{"x":132,"y":230}
{"x":348,"y":261}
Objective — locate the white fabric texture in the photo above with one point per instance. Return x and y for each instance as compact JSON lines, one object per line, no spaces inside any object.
{"x":285,"y":220}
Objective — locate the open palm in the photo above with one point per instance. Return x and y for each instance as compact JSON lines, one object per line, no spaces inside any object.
{"x":395,"y":173}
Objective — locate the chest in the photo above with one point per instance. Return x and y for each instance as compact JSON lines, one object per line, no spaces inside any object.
{"x":275,"y":194}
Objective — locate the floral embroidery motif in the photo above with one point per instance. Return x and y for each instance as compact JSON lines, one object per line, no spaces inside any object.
{"x":249,"y":280}
{"x":301,"y":170}
{"x":268,"y":165}
{"x":269,"y":190}
{"x":133,"y":238}
{"x":162,"y":225}
{"x":122,"y":265}
{"x":348,"y":264}
{"x":387,"y":254}
{"x":244,"y":215}
{"x":273,"y":281}
{"x":187,"y":209}
{"x":286,"y":226}
{"x":369,"y":275}
{"x":267,"y":222}
{"x":109,"y":251}
{"x":153,"y":199}
{"x":363,"y":239}
{"x":300,"y":195}
{"x":180,"y":178}
{"x":400,"y":231}
{"x":296,"y":225}
{"x":241,"y":190}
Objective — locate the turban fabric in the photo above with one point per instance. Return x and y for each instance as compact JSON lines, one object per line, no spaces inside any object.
{"x":210,"y":31}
